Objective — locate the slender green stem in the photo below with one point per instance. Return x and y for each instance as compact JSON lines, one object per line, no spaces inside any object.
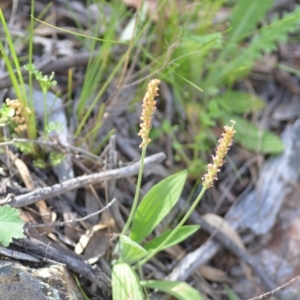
{"x":45,"y":113}
{"x":31,"y":118}
{"x":80,"y":288}
{"x":180,"y":224}
{"x":137,"y":192}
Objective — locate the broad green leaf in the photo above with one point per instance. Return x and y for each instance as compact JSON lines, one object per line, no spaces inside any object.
{"x":125,"y":283}
{"x":11,"y":225}
{"x":183,"y":233}
{"x":156,"y":204}
{"x":177,"y":289}
{"x":254,"y":138}
{"x":246,"y":15}
{"x":230,"y":293}
{"x":239,"y":102}
{"x":129,"y":251}
{"x":213,"y":109}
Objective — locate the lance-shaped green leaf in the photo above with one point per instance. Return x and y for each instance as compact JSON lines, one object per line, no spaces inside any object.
{"x":179,"y":290}
{"x":125,"y":283}
{"x":129,"y":251}
{"x":156,"y":204}
{"x":183,"y":233}
{"x":11,"y":226}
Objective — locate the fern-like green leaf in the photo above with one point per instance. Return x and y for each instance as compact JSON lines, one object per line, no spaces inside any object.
{"x":277,"y":31}
{"x":265,"y":40}
{"x":246,"y":15}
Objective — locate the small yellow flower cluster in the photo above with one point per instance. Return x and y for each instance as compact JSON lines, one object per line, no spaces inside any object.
{"x":149,"y":106}
{"x":224,"y":144}
{"x":19,"y":117}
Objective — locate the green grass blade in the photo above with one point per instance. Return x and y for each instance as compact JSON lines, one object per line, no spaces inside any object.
{"x":16,"y":78}
{"x":104,"y":87}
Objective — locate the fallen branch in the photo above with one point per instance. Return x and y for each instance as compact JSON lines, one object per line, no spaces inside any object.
{"x":49,"y":251}
{"x":78,"y":182}
{"x":73,"y":220}
{"x":276,"y":290}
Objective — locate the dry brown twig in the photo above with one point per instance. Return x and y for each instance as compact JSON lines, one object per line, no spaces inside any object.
{"x":48,"y":251}
{"x":275,"y":290}
{"x":74,"y":220}
{"x":72,"y":184}
{"x":56,"y":144}
{"x":17,"y":255}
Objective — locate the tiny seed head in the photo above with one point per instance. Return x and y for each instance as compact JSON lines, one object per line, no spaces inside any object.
{"x":148,"y":108}
{"x":224,"y":144}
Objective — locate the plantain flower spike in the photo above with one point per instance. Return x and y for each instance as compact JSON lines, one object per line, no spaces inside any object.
{"x":149,"y":106}
{"x":224,"y":144}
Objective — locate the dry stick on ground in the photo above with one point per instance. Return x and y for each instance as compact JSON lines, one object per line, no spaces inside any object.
{"x":57,"y":145}
{"x":230,"y":245}
{"x":276,"y":290}
{"x":73,"y":220}
{"x":49,"y":251}
{"x":17,"y":255}
{"x":72,"y":184}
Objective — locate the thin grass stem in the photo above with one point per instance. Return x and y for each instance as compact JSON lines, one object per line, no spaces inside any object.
{"x":137,"y":192}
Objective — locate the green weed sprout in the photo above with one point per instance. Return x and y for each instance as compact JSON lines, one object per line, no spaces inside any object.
{"x":149,"y":106}
{"x":208,"y":179}
{"x":152,"y":209}
{"x":45,"y":83}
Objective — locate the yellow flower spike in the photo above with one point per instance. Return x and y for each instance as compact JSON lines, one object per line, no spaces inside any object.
{"x":149,"y":106}
{"x":224,"y":144}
